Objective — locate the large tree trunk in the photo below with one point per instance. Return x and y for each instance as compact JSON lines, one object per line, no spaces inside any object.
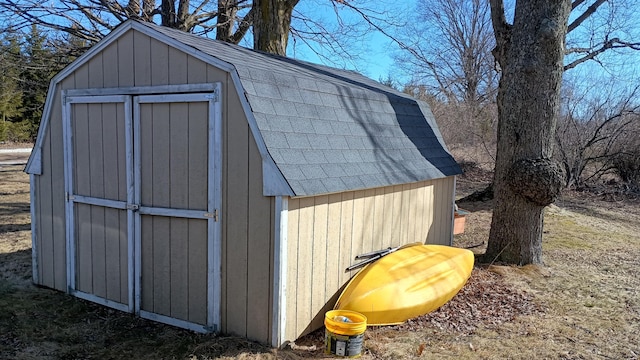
{"x":530,"y":53}
{"x":227,"y":10}
{"x":271,"y":24}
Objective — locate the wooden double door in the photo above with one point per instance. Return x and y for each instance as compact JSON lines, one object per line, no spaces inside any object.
{"x":142,"y":180}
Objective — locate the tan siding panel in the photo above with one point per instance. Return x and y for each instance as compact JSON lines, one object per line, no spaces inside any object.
{"x":161,"y":265}
{"x":177,"y":66}
{"x":198,"y":157}
{"x":97,"y":176}
{"x":216,"y":75}
{"x":346,"y":236}
{"x":81,"y":77}
{"x":96,"y":71}
{"x":122,"y":195}
{"x":419,"y":216}
{"x":368,"y":221}
{"x":358,"y":224}
{"x":96,"y":152}
{"x":305,"y":258}
{"x":82,"y":184}
{"x":125,"y":73}
{"x":84,"y":258}
{"x":159,"y":63}
{"x":113,"y":121}
{"x":113,"y":181}
{"x":58,"y":202}
{"x":333,"y":271}
{"x":124,"y":258}
{"x":179,"y":156}
{"x":179,"y":166}
{"x":161,"y":137}
{"x":112,"y":254}
{"x":429,"y":217}
{"x":161,"y":188}
{"x":146,"y":262}
{"x":236,"y":218}
{"x":197,"y":179}
{"x":405,"y":214}
{"x":179,"y":251}
{"x":319,"y":260}
{"x":352,"y":223}
{"x":47,"y":265}
{"x":197,"y":277}
{"x":141,"y":58}
{"x":413,"y":236}
{"x":110,"y":65}
{"x":146,"y":197}
{"x":389,"y":215}
{"x":196,"y":71}
{"x":258,"y":259}
{"x":396,"y":228}
{"x":379,"y":241}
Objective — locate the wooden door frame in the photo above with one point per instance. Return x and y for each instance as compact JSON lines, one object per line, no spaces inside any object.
{"x":212,"y":215}
{"x":71,"y":199}
{"x":132,"y":97}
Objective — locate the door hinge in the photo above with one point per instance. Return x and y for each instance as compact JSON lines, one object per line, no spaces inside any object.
{"x":215,"y":216}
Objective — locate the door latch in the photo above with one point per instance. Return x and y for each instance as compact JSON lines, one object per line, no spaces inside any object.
{"x":133,"y":207}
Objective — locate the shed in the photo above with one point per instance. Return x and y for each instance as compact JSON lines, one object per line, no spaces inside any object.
{"x":216,"y":188}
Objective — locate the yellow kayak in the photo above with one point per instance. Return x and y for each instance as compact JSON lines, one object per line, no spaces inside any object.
{"x":409,"y":282}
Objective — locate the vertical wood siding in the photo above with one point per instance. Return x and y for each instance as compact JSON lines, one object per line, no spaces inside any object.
{"x":247,"y":231}
{"x":248,"y":228}
{"x":174,"y":142}
{"x":325,"y":233}
{"x":99,"y":171}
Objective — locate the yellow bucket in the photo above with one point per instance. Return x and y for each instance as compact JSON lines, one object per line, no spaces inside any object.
{"x":344,"y":334}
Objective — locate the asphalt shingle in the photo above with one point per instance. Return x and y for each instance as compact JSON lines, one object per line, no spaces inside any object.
{"x":330,"y":130}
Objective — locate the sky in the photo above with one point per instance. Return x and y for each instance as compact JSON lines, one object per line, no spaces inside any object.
{"x":376,"y":51}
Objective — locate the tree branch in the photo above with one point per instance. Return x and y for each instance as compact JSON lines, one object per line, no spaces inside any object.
{"x":501,"y":29}
{"x":614,"y":43}
{"x":576,"y":3}
{"x":590,"y":11}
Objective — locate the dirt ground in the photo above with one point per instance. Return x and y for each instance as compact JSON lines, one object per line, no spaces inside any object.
{"x":584,"y":303}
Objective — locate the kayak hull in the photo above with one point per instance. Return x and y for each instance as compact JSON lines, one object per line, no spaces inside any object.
{"x":409,"y":282}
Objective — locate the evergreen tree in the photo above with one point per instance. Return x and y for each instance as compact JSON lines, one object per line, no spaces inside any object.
{"x":38,"y":70}
{"x":10,"y":92}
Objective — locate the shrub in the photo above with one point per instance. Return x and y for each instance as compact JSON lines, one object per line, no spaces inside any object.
{"x":16,"y":132}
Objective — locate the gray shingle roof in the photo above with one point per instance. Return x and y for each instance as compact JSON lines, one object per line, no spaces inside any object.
{"x":330,"y":130}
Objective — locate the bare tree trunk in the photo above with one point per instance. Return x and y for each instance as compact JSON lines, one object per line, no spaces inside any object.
{"x":168,"y":13}
{"x":227,"y":10}
{"x":271,"y":25}
{"x":531,"y":53}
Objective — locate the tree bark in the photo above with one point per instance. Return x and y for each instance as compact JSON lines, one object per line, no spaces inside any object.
{"x":530,"y":53}
{"x":271,"y":24}
{"x":227,"y":10}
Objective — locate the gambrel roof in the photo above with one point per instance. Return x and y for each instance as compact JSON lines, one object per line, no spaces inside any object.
{"x":325,"y":130}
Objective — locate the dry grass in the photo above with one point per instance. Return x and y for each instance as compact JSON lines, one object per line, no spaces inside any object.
{"x":588,"y":290}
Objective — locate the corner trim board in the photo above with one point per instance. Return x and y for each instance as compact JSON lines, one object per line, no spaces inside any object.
{"x":453,"y":207}
{"x":34,"y":230}
{"x":278,"y":330}
{"x":214,"y":256}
